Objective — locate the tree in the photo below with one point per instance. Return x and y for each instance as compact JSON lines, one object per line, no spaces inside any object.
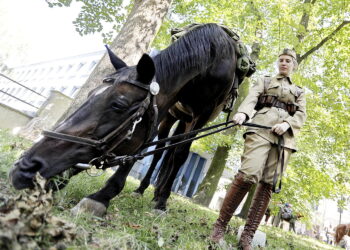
{"x":134,"y":39}
{"x":208,"y":186}
{"x":320,"y":37}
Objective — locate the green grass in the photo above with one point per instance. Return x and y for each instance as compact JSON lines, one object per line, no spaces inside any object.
{"x":11,"y":148}
{"x":130,"y":222}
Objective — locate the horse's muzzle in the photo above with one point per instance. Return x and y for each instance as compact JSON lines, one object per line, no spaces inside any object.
{"x":23,"y":172}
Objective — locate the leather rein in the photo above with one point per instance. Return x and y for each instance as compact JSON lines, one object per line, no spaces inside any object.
{"x":108,"y":159}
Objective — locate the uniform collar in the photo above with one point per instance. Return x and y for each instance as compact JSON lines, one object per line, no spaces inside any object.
{"x":279,"y":76}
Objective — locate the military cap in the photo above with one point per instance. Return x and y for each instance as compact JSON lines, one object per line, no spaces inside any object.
{"x":289,"y":52}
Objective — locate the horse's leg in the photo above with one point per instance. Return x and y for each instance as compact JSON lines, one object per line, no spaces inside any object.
{"x":178,"y":158}
{"x":98,"y":202}
{"x":164,"y":129}
{"x":293,"y":226}
{"x":281,"y":225}
{"x":165,"y":167}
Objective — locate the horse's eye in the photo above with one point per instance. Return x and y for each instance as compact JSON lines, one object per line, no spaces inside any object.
{"x":108,"y":80}
{"x":119,"y":105}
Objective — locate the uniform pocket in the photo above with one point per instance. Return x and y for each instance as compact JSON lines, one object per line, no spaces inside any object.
{"x":294,"y":92}
{"x":274,"y":85}
{"x":293,"y":95}
{"x":274,"y":89}
{"x":260,"y":115}
{"x":263,"y":110}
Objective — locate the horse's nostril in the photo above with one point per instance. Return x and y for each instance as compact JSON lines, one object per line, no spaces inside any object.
{"x":32,"y":165}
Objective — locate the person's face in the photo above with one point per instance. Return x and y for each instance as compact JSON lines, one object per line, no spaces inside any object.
{"x":285,"y":65}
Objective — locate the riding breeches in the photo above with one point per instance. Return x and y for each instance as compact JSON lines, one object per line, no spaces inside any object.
{"x":259,"y":159}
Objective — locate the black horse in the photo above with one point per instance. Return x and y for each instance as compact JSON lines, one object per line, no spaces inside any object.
{"x":198,"y":70}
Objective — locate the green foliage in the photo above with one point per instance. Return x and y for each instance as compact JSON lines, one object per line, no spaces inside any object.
{"x":11,"y":147}
{"x":106,"y":17}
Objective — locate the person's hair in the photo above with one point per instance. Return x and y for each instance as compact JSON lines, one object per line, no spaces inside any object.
{"x":295,"y":64}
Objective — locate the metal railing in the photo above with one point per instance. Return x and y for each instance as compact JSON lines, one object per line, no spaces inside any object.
{"x":23,"y":86}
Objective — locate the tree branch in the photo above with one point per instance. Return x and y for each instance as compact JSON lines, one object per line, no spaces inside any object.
{"x":323,"y":41}
{"x":304,"y":21}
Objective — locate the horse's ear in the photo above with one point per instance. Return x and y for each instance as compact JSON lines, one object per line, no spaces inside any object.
{"x":116,"y":61}
{"x":145,"y":69}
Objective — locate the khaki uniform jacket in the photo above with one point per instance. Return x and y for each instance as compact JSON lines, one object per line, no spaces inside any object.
{"x":286,"y":91}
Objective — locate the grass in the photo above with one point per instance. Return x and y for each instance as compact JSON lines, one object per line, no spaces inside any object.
{"x":130,"y":222}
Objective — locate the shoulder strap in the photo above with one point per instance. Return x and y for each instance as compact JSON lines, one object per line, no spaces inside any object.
{"x":267,"y":80}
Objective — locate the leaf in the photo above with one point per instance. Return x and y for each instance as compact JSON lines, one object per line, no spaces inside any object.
{"x":134,"y":226}
{"x":160,"y":241}
{"x":11,"y":218}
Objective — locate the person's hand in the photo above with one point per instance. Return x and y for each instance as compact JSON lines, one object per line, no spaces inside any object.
{"x":280,"y":128}
{"x":239,"y":118}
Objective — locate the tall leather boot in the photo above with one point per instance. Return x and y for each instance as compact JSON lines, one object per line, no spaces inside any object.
{"x":240,"y":186}
{"x":256,"y":212}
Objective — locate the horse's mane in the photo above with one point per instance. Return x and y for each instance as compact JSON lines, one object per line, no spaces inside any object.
{"x":196,"y":50}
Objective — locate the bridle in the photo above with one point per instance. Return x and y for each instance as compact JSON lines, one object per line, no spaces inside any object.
{"x":103,"y":145}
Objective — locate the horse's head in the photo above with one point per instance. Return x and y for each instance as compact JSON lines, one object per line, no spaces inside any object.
{"x":97,"y":127}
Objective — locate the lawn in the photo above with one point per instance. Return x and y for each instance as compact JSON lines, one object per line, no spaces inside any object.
{"x":130,"y":222}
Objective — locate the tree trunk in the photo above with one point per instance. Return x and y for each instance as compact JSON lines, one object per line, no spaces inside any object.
{"x":132,"y":41}
{"x":208,"y":187}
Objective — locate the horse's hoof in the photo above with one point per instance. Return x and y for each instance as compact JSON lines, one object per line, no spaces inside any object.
{"x":159,"y":212}
{"x":136,"y":194}
{"x":88,"y":205}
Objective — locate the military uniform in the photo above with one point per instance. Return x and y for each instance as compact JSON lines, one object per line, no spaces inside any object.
{"x":277,"y":101}
{"x":259,"y":159}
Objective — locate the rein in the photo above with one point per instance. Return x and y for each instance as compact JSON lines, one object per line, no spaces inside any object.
{"x":106,"y":161}
{"x":109,"y":159}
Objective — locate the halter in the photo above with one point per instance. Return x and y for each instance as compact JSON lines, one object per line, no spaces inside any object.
{"x":132,"y":121}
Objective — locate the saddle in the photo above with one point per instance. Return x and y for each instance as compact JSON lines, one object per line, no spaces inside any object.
{"x":182,"y":112}
{"x":245,"y":65}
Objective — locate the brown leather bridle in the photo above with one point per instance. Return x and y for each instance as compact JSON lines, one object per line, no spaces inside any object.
{"x":103,"y":144}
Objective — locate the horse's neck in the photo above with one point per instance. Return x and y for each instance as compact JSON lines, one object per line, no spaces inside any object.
{"x":171,"y":84}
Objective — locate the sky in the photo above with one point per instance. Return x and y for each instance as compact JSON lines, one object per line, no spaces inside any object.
{"x":31,"y":32}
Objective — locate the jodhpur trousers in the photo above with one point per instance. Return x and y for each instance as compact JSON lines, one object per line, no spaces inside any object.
{"x":259,"y":159}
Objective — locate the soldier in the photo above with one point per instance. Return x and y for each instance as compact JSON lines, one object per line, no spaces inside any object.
{"x":280,"y":104}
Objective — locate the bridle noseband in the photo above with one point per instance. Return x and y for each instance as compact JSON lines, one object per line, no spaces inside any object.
{"x":132,"y":121}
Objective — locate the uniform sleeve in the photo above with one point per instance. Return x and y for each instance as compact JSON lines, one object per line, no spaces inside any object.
{"x":248,"y":104}
{"x":297,"y":120}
